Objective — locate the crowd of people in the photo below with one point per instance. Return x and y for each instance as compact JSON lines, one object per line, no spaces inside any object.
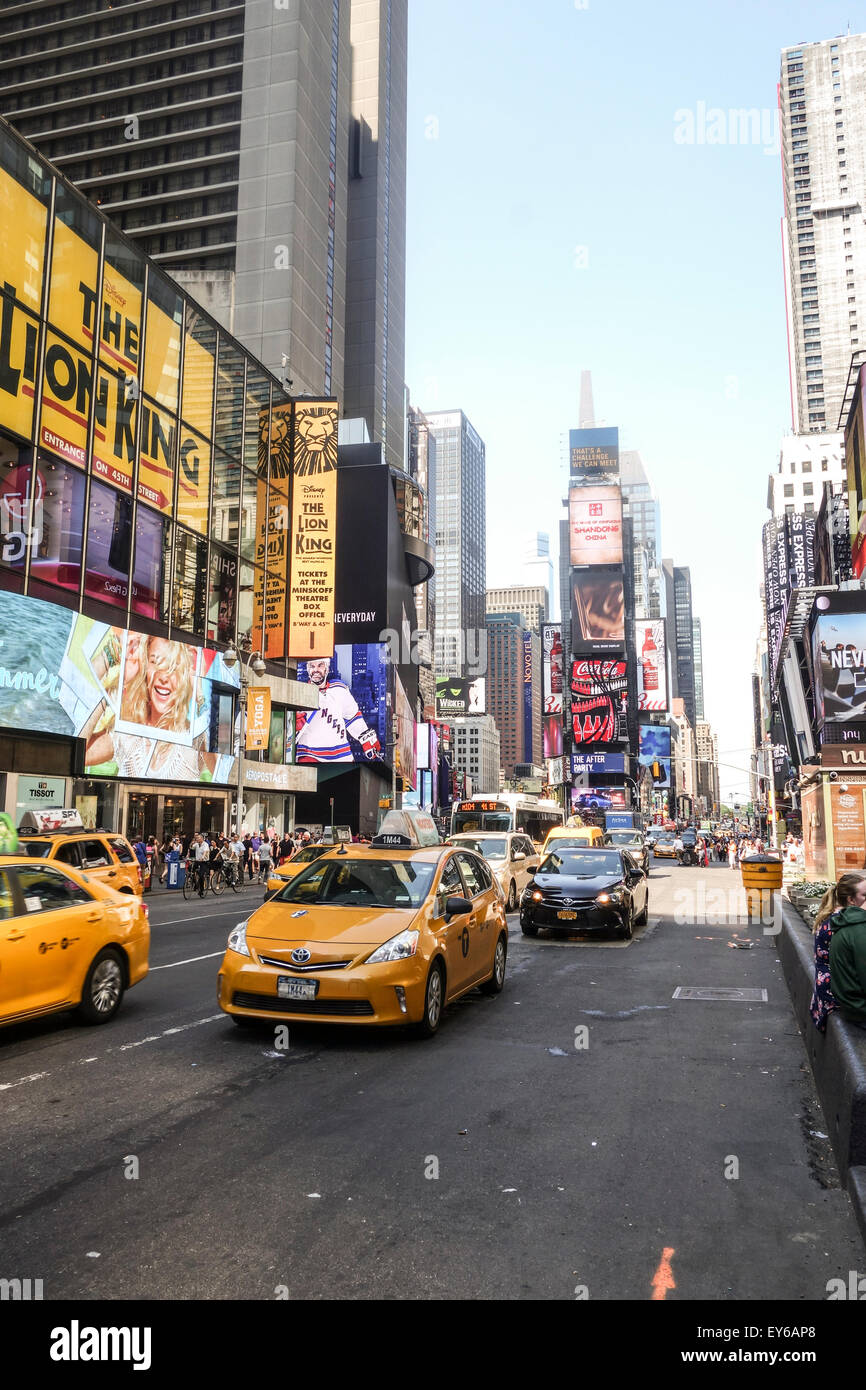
{"x":254,"y":853}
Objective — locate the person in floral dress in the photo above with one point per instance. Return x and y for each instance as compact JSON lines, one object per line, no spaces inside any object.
{"x":850,"y":891}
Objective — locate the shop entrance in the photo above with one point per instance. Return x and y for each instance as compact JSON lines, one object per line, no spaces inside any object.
{"x":141,"y":816}
{"x":178,"y":817}
{"x":213,"y":814}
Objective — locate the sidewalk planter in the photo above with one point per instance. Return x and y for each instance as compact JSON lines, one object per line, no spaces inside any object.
{"x":762,"y":878}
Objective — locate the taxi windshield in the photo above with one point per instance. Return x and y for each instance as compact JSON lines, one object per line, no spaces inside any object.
{"x":624,"y":837}
{"x":360,"y":883}
{"x":309,"y":853}
{"x":489,"y":847}
{"x":37,"y":849}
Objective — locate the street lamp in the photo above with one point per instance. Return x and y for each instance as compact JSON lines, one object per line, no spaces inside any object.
{"x":254,"y":663}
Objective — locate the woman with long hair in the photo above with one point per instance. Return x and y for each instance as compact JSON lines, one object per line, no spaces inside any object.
{"x":850,"y":891}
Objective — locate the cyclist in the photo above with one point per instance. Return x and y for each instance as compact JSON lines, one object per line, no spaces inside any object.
{"x":201,"y":859}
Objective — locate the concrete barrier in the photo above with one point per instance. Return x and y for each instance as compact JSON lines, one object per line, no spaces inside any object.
{"x":837,"y":1059}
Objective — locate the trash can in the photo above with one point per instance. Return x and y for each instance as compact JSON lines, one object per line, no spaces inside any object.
{"x":176,"y":874}
{"x":762,"y":876}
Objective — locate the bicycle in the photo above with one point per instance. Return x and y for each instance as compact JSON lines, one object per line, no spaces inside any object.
{"x":196,"y":880}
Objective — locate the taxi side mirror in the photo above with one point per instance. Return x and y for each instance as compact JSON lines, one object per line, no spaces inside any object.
{"x":456,"y":907}
{"x":518,"y":857}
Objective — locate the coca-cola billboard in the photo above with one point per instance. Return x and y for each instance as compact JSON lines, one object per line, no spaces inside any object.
{"x":651,"y":665}
{"x":598,"y":701}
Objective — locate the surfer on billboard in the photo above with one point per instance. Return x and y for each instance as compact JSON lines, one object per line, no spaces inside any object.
{"x":323,"y":737}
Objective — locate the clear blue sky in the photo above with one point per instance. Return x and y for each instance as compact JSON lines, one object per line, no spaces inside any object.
{"x":536,"y":130}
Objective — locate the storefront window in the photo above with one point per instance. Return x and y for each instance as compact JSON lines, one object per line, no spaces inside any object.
{"x":109,"y":535}
{"x":96,"y":803}
{"x":178,"y":817}
{"x":16,"y":529}
{"x":222,"y":596}
{"x":226,"y":499}
{"x":58,"y":525}
{"x":152,"y":569}
{"x":188,"y":595}
{"x":277,"y":736}
{"x":229,"y":399}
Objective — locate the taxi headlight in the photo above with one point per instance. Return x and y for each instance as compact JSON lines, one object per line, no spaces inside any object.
{"x":238,"y":939}
{"x":400,"y":947}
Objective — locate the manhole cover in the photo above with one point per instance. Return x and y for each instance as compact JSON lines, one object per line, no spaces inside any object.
{"x":746,"y":996}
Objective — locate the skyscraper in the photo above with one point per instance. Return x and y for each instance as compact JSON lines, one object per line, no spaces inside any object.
{"x":822,"y":99}
{"x":684,"y":640}
{"x":538,"y":569}
{"x":531,"y":602}
{"x":643,"y":509}
{"x":257,"y":152}
{"x":461,"y":544}
{"x":697,"y":648}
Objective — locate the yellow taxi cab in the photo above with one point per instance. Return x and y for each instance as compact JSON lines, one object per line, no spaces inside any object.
{"x":66,"y":941}
{"x":573,"y":837}
{"x":278,"y":878}
{"x":385,"y":933}
{"x":58,"y":835}
{"x":664,"y":847}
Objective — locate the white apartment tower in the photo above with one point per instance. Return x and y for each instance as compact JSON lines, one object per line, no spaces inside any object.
{"x":822,"y":100}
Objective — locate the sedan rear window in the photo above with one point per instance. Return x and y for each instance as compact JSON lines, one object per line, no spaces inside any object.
{"x":360,"y":883}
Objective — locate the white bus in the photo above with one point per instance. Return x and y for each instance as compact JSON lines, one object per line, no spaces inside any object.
{"x":531,"y":815}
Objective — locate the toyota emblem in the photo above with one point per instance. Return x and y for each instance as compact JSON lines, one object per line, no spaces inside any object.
{"x":301,"y":955}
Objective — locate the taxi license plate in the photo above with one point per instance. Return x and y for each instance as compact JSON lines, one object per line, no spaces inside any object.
{"x":296,"y":989}
{"x":566,"y":916}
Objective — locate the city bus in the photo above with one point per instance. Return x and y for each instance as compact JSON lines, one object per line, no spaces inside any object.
{"x":531,"y":815}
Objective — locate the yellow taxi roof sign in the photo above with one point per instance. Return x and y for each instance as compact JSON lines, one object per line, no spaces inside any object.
{"x":410,"y":828}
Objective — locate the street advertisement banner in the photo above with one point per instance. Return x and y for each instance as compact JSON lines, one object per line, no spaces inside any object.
{"x":594,"y":455}
{"x":855,"y":467}
{"x":350,"y":724}
{"x":555,"y":777}
{"x":599,"y":798}
{"x":654,"y":745}
{"x":849,"y":825}
{"x":839,"y":658}
{"x":314,"y":524}
{"x":146,"y":707}
{"x":405,"y":750}
{"x":651,"y":665}
{"x":595,"y":525}
{"x":457,"y":696}
{"x":258,"y":718}
{"x":551,"y":735}
{"x":552,"y":668}
{"x":597,"y":610}
{"x":598,"y":703}
{"x":594,"y":763}
{"x":528,"y":741}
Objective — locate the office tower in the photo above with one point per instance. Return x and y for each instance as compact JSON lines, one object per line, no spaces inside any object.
{"x":530,"y":601}
{"x":680,"y":635}
{"x":707,"y":767}
{"x":538,"y":570}
{"x":806,"y":462}
{"x":697,"y":648}
{"x":565,"y":584}
{"x":461,"y":544}
{"x":223,"y":139}
{"x":643,"y":509}
{"x":822,"y":100}
{"x":516,"y":711}
{"x":475,"y":750}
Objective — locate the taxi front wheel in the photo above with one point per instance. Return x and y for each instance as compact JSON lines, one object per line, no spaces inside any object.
{"x":434,"y":998}
{"x":497,"y":979}
{"x":103,"y":988}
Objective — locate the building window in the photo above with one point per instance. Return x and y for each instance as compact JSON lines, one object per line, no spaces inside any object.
{"x":788,"y":489}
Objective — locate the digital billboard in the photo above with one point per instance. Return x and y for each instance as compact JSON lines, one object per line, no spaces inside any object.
{"x":839,"y":657}
{"x":552,"y":668}
{"x":146,"y":707}
{"x":654,"y":745}
{"x":551,"y":735}
{"x":351,"y":722}
{"x":457,"y":696}
{"x":597,"y":610}
{"x":594,"y":763}
{"x":595,"y":525}
{"x":405,"y":751}
{"x":855,"y":467}
{"x":594,"y":455}
{"x":652,"y":673}
{"x":598,"y":701}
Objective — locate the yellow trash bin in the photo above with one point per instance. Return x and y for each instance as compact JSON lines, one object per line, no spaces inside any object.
{"x":762,"y":876}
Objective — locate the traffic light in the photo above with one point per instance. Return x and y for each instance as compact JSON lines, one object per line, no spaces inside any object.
{"x":658,"y":772}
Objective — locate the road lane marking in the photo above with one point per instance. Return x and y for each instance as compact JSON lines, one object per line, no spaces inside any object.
{"x":663,"y":1279}
{"x":190,"y":961}
{"x":36,"y":1076}
{"x":124,"y":1047}
{"x":184,"y":921}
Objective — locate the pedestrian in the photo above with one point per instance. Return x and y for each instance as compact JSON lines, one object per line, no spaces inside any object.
{"x":255,"y":846}
{"x":264,"y":861}
{"x":850,"y":891}
{"x":248,"y":856}
{"x":732,"y":853}
{"x":848,"y":949}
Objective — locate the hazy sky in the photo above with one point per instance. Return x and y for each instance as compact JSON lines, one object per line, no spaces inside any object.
{"x":559,"y":219}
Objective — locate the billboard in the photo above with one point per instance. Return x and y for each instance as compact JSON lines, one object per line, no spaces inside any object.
{"x":552,"y":668}
{"x":457,"y":696}
{"x":313,"y":528}
{"x":528,"y":741}
{"x":595,"y":525}
{"x":594,"y":455}
{"x":405,"y":750}
{"x":654,"y":745}
{"x":598,"y":702}
{"x":594,"y":763}
{"x":146,"y":707}
{"x":551,"y":735}
{"x":855,"y":467}
{"x":839,"y":658}
{"x":652,"y":672}
{"x":597,"y":610}
{"x":351,"y":722}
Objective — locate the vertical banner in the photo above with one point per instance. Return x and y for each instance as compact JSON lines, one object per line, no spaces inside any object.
{"x":652,"y":691}
{"x":258,"y":717}
{"x":551,"y":641}
{"x":272,"y":540}
{"x":314,"y":525}
{"x":528,"y":740}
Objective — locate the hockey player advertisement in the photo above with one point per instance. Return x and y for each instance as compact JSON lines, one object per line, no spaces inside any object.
{"x":350,"y":724}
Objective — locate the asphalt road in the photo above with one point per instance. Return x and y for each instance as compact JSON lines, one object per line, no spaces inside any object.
{"x":171,"y":1155}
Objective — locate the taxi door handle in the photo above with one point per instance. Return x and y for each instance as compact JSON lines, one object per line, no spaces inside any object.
{"x":94,"y":916}
{"x":16,"y":936}
{"x":111,"y":873}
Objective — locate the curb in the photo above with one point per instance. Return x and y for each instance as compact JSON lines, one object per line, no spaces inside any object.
{"x":837,"y":1059}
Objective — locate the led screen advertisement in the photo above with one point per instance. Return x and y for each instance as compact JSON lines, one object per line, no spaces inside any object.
{"x":405,"y":751}
{"x":855,"y":467}
{"x":350,"y":724}
{"x":551,"y":735}
{"x":598,"y":701}
{"x":552,"y":668}
{"x":147,"y":708}
{"x":839,"y":658}
{"x":652,"y":692}
{"x":595,"y":525}
{"x":654,"y":745}
{"x":594,"y":455}
{"x":597,"y":610}
{"x":457,"y":696}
